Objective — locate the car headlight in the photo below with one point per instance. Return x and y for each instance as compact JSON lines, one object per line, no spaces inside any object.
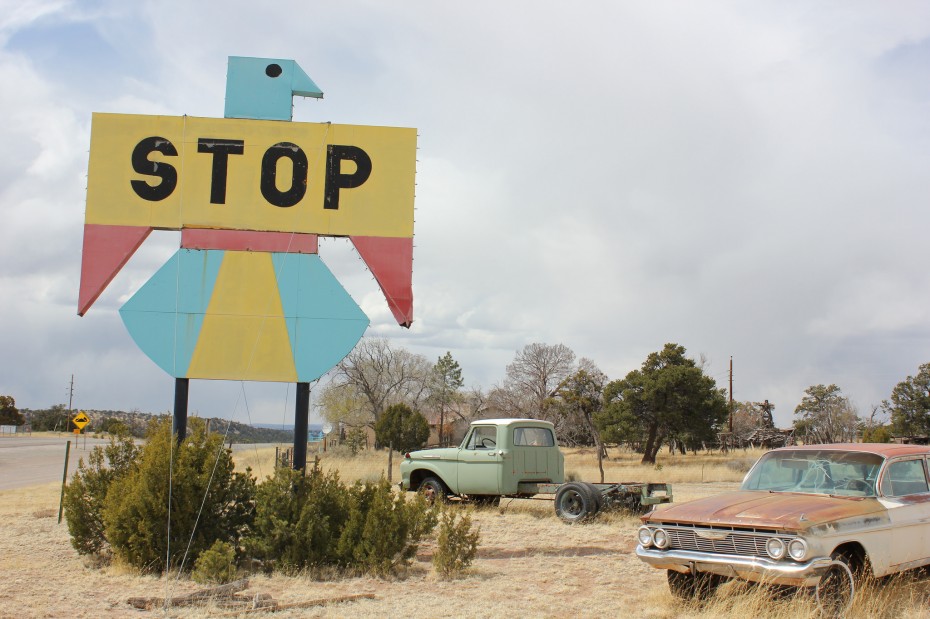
{"x":645,"y":536}
{"x":797,"y":549}
{"x":660,"y":539}
{"x":775,"y":547}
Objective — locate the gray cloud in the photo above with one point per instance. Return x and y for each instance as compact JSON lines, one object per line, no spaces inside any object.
{"x":745,"y":180}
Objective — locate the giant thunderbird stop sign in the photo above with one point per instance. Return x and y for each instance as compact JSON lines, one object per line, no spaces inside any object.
{"x":246,"y":297}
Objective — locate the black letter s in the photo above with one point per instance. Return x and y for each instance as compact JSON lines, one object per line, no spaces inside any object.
{"x":142,"y":165}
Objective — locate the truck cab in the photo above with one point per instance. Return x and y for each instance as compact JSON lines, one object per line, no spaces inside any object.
{"x":497,"y":457}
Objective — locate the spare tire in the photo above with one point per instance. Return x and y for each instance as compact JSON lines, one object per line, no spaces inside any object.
{"x":596,"y":496}
{"x":574,"y":502}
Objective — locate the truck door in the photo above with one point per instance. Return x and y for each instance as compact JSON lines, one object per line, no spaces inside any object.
{"x":480,"y":462}
{"x":534,"y":456}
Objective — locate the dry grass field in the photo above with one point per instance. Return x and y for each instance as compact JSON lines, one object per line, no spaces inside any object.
{"x":529,"y":563}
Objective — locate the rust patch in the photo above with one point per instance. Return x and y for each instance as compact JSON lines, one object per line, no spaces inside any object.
{"x":772,"y":510}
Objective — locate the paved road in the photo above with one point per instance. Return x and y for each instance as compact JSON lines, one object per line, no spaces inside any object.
{"x":28,"y":461}
{"x":31,"y":460}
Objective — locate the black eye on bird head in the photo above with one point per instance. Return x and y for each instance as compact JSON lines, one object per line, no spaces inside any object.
{"x":273,"y":70}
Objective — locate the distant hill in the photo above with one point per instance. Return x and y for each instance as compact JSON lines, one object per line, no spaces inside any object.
{"x":137,"y":423}
{"x":289,"y":427}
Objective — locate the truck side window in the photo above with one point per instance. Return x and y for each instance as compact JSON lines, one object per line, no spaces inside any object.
{"x":482,"y":437}
{"x":533,"y":437}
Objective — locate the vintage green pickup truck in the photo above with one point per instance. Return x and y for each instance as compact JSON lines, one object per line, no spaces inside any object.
{"x":518,"y":458}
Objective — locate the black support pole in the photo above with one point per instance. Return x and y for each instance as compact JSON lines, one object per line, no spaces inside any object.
{"x":301,"y":421}
{"x":180,"y":407}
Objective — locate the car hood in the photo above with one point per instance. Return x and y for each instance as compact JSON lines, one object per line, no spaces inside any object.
{"x":442,"y":453}
{"x":776,"y":510}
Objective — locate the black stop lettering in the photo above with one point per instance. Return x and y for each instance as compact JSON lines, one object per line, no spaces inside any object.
{"x":143,"y":165}
{"x":335,"y":180}
{"x":221,"y":150}
{"x":298,"y":186}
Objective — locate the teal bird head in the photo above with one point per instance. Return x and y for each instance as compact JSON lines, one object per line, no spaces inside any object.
{"x":263,"y":88}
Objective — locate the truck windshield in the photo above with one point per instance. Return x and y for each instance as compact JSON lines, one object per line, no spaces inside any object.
{"x":843,"y":473}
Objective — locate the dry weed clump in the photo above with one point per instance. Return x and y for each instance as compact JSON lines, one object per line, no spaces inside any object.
{"x":904,"y":596}
{"x":44,"y":513}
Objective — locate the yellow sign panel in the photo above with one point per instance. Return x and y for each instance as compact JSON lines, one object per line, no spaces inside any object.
{"x":80,"y":420}
{"x":184,"y":172}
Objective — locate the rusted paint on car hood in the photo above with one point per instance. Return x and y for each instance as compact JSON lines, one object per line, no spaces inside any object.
{"x":775,"y":510}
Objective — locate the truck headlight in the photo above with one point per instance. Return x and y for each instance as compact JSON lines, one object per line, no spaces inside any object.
{"x":660,"y":539}
{"x":645,"y":536}
{"x":797,"y":549}
{"x":775,"y":547}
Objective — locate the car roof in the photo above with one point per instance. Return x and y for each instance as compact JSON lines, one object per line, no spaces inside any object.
{"x":510,"y":421}
{"x":888,"y":450}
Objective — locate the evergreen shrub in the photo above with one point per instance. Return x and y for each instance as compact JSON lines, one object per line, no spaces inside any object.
{"x":457,"y":544}
{"x":216,"y":565}
{"x":84,"y":497}
{"x":316,"y":521}
{"x":209,"y":501}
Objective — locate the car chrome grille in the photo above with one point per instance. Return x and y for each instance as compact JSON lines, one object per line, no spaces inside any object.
{"x":722,"y":540}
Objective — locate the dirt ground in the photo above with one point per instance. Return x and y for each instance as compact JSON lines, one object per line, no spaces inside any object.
{"x":529,"y":564}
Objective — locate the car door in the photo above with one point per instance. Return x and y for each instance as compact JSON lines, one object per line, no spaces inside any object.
{"x":480,"y":462}
{"x":906,"y":495}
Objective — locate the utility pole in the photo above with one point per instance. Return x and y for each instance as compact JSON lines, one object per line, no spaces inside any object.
{"x":731,"y":394}
{"x":70,"y":400}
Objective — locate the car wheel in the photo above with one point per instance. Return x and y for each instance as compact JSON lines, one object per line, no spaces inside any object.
{"x":434,"y":490}
{"x":574,"y":503}
{"x":836,"y":588}
{"x":698,"y":586}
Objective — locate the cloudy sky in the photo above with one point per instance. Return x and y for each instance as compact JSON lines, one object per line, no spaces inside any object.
{"x":745,"y":179}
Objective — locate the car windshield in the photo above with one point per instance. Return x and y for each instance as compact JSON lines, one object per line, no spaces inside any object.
{"x":842,"y":473}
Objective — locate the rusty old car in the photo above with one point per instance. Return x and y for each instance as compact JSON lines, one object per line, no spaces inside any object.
{"x":817,"y":516}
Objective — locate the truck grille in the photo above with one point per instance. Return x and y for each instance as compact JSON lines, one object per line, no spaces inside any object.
{"x":721,"y":540}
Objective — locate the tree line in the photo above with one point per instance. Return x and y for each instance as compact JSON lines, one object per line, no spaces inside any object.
{"x":668,"y":401}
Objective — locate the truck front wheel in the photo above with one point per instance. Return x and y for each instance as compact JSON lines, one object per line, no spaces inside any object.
{"x":434,"y":490}
{"x":574,"y":502}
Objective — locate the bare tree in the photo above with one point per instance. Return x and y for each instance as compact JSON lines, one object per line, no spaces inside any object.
{"x":474,"y":404}
{"x":372,"y":377}
{"x":745,"y":419}
{"x":343,"y":404}
{"x":826,"y":416}
{"x":504,"y":401}
{"x":535,"y":374}
{"x":578,"y":398}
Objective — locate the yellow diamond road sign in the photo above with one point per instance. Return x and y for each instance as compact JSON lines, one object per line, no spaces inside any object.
{"x":80,"y":420}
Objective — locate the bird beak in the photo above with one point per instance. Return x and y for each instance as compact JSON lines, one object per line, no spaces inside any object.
{"x":302,"y":85}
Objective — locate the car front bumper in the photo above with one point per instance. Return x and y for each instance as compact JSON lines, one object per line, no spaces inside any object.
{"x":757,"y":569}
